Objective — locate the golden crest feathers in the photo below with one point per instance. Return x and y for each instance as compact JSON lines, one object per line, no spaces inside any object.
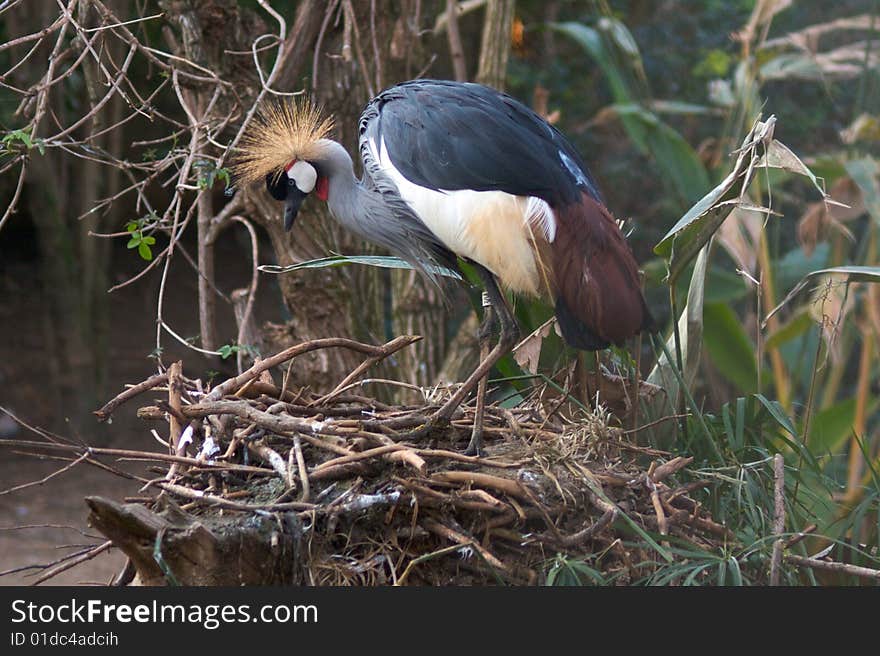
{"x":280,"y":132}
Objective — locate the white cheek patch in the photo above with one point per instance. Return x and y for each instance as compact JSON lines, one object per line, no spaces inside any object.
{"x":304,"y":175}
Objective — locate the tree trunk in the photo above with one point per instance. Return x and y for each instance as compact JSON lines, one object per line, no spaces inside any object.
{"x":495,"y":48}
{"x":217,"y":550}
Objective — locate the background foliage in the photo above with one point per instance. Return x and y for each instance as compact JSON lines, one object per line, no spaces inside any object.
{"x":739,"y":138}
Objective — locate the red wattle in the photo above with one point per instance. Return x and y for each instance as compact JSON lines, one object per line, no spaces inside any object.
{"x":322,"y":189}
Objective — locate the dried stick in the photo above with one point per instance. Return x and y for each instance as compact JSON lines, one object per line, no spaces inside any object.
{"x":130,"y":454}
{"x":424,"y":557}
{"x":175,"y":425}
{"x":797,"y":537}
{"x":153,"y":381}
{"x":271,"y":422}
{"x":833,"y":566}
{"x":444,"y":531}
{"x":301,"y":465}
{"x":407,"y":456}
{"x":662,"y":524}
{"x":583,"y":535}
{"x":35,"y":36}
{"x":213,"y":500}
{"x":361,"y":368}
{"x":326,"y":445}
{"x":453,"y":455}
{"x":363,"y":502}
{"x":175,"y":404}
{"x":232,"y":384}
{"x":668,"y":468}
{"x":73,"y":562}
{"x":506,"y":485}
{"x":271,"y":457}
{"x":67,"y":467}
{"x":463,"y":8}
{"x":363,"y":455}
{"x":778,"y":516}
{"x":359,"y":52}
{"x":342,"y":387}
{"x":252,"y":290}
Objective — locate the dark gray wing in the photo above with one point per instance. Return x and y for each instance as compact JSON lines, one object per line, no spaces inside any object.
{"x":451,"y":135}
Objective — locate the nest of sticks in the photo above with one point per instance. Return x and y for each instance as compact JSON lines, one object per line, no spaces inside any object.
{"x":261,"y":484}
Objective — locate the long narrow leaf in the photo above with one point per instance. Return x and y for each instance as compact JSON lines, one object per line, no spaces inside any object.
{"x":832,"y":427}
{"x":778,"y":414}
{"x":690,"y":325}
{"x":693,"y":230}
{"x":386,"y":262}
{"x":852,"y":273}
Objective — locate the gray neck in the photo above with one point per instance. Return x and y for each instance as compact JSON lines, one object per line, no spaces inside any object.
{"x":346,"y":193}
{"x":373,"y":209}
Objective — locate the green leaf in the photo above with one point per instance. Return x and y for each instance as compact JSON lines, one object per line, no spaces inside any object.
{"x":778,"y":155}
{"x":25,"y":137}
{"x":734,"y":431}
{"x":693,"y":230}
{"x":572,"y":573}
{"x":865,"y":172}
{"x":621,"y":36}
{"x":134,"y":242}
{"x":679,"y":107}
{"x":716,"y":63}
{"x":740,"y":421}
{"x":382,"y":261}
{"x":832,"y":427}
{"x":223,"y":174}
{"x":226,"y":350}
{"x":798,"y":324}
{"x":730,"y":349}
{"x":778,"y":413}
{"x":691,"y":578}
{"x":690,"y":326}
{"x":148,"y":240}
{"x":145,"y":252}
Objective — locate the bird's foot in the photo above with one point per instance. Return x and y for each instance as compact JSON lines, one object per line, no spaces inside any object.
{"x":474,"y":449}
{"x":475,"y":446}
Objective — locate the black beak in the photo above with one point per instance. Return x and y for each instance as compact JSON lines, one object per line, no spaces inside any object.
{"x":294,"y":199}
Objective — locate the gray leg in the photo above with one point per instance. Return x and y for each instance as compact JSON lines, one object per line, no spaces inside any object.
{"x":487,"y":328}
{"x":509,"y":334}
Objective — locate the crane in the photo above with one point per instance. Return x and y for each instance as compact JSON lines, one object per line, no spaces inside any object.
{"x":460,"y":170}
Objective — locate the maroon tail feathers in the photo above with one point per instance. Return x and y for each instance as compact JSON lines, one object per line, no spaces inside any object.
{"x":599,"y":300}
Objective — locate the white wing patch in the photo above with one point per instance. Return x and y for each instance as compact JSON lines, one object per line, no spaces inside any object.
{"x":492,"y":228}
{"x":540,"y":215}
